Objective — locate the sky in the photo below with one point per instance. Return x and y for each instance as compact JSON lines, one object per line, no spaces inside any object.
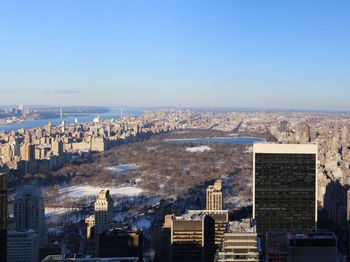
{"x":291,"y":54}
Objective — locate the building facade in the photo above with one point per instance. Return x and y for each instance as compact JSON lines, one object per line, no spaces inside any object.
{"x":220,"y":218}
{"x":240,"y":243}
{"x":284,"y":187}
{"x":301,"y":247}
{"x":192,"y":238}
{"x":23,"y":246}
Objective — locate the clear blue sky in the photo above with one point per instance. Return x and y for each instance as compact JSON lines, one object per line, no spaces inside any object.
{"x":269,"y":54}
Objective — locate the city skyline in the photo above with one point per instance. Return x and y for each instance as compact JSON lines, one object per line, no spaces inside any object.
{"x":176,"y":54}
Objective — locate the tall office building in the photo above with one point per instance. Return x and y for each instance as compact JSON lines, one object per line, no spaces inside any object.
{"x":214,"y":196}
{"x":30,"y":212}
{"x":3,"y":216}
{"x":103,"y":215}
{"x":284,"y":187}
{"x":192,"y":238}
{"x":220,"y":218}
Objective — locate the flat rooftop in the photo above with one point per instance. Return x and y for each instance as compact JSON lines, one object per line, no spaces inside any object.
{"x":277,"y":148}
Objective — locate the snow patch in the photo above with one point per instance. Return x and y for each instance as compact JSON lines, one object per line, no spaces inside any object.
{"x":248,"y":150}
{"x":86,"y":190}
{"x":49,"y":211}
{"x":197,"y":149}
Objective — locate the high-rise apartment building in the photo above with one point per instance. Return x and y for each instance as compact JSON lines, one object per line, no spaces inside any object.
{"x":30,"y":212}
{"x":28,"y":152}
{"x":284,"y":187}
{"x":3,"y":216}
{"x":27,"y":137}
{"x":57,"y":147}
{"x":103,"y":215}
{"x":214,"y":199}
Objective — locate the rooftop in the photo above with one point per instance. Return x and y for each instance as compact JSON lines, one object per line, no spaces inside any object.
{"x":277,"y":148}
{"x":243,"y":226}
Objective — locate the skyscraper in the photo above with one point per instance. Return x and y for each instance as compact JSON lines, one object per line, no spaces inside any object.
{"x":103,"y":215}
{"x":192,"y":238}
{"x":3,"y":217}
{"x":214,"y":196}
{"x":284,"y":187}
{"x":30,"y":212}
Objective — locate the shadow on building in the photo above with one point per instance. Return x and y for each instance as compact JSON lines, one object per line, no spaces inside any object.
{"x":334,"y":215}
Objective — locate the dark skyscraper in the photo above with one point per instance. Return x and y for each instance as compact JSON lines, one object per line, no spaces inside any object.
{"x":3,"y":217}
{"x":284,"y":187}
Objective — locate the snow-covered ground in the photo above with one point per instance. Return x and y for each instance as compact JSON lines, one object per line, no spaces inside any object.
{"x":49,"y":211}
{"x":197,"y":149}
{"x":122,"y":169}
{"x":143,"y":223}
{"x":86,"y":190}
{"x":248,"y":149}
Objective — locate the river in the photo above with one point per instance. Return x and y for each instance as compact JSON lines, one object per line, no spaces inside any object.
{"x":115,"y":114}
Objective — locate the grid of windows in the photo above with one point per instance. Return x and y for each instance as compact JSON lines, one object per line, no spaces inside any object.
{"x":284,"y":192}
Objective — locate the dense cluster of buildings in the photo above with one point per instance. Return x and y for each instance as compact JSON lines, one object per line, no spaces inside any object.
{"x":293,"y":181}
{"x":283,"y":227}
{"x":41,"y":149}
{"x":11,"y":114}
{"x":284,"y":222}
